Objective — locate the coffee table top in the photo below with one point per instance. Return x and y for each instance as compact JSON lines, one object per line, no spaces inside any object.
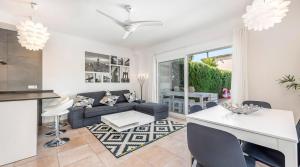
{"x":126,"y":118}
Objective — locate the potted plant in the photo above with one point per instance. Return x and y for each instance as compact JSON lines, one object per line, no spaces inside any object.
{"x":290,"y":82}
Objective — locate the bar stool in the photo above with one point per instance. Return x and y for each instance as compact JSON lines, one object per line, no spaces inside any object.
{"x":53,"y":103}
{"x":56,"y":112}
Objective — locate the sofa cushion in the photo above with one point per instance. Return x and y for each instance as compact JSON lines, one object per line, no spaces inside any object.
{"x":99,"y":110}
{"x":120,"y":93}
{"x":125,"y":106}
{"x":82,"y":101}
{"x":97,"y":96}
{"x":130,"y":97}
{"x":109,"y":100}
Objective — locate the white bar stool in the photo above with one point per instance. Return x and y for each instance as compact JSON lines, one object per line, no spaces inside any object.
{"x":56,"y":112}
{"x":53,"y":103}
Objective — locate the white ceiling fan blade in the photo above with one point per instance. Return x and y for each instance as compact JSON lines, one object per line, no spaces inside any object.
{"x":122,"y":24}
{"x":147,"y":23}
{"x":127,"y":34}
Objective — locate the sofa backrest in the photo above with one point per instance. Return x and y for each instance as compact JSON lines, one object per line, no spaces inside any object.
{"x":97,"y":96}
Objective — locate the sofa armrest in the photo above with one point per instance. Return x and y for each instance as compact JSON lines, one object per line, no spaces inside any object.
{"x":76,"y":117}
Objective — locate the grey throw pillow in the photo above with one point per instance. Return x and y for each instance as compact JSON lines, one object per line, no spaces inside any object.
{"x":130,"y":97}
{"x":109,"y":100}
{"x":82,"y":101}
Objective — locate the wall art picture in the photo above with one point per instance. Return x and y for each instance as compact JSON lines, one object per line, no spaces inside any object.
{"x":125,"y":74}
{"x":120,"y":61}
{"x":95,"y":62}
{"x":126,"y":62}
{"x":89,"y":77}
{"x":106,"y":78}
{"x":102,"y":68}
{"x":98,"y":77}
{"x":114,"y":60}
{"x":115,"y":73}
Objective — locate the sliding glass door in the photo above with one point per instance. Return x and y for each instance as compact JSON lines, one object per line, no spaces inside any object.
{"x":171,"y":85}
{"x":188,"y":83}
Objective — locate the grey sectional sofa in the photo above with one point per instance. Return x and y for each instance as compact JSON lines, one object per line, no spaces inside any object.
{"x":79,"y":117}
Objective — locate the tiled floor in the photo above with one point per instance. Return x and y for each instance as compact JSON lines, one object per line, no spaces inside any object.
{"x":84,"y":150}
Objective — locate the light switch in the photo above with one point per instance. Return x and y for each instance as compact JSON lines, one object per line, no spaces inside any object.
{"x":32,"y":86}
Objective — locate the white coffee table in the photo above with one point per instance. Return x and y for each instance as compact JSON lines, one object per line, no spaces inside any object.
{"x":126,"y":120}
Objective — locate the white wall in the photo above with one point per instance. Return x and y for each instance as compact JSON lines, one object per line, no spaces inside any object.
{"x":271,"y":54}
{"x":64,"y":65}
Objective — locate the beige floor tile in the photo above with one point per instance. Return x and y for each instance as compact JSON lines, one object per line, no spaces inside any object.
{"x":73,"y":143}
{"x":108,"y":159}
{"x":91,"y":138}
{"x":91,"y":161}
{"x":8,"y":165}
{"x":48,"y":161}
{"x":97,"y":147}
{"x":133,"y":161}
{"x":74,"y":155}
{"x":156,"y":156}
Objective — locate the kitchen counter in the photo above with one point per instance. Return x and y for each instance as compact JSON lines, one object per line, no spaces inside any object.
{"x":20,"y":116}
{"x":27,"y":95}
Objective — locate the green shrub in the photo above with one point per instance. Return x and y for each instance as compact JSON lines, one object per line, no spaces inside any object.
{"x":210,"y":61}
{"x":208,"y":79}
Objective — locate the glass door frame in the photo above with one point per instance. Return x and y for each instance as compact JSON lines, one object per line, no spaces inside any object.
{"x":164,"y":58}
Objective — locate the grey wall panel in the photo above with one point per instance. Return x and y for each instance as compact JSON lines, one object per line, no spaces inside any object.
{"x":24,"y":67}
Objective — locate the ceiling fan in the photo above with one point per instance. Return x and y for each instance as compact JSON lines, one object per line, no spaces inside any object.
{"x":128,"y":25}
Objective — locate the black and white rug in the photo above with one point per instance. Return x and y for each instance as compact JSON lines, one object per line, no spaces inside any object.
{"x":121,"y":143}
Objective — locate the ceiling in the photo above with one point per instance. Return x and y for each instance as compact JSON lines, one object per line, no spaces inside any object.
{"x":78,"y":17}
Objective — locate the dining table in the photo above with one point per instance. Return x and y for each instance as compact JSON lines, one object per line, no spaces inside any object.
{"x":272,"y":128}
{"x":199,"y":95}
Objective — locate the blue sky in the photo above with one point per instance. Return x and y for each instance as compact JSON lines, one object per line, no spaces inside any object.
{"x":200,"y":56}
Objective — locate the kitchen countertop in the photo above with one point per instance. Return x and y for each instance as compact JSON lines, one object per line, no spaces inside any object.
{"x":27,"y":95}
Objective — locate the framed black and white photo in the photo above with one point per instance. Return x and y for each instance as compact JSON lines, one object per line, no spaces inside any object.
{"x":98,"y":78}
{"x":89,"y":77}
{"x":125,"y":74}
{"x":114,"y":60}
{"x":126,"y":61}
{"x":115,"y":73}
{"x":120,"y":61}
{"x":95,"y":62}
{"x":106,"y":78}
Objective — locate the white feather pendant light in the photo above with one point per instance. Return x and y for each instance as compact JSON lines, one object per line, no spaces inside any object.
{"x":264,"y":14}
{"x":31,"y":35}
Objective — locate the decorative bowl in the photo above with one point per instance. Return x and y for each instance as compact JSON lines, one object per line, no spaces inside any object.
{"x":241,"y":109}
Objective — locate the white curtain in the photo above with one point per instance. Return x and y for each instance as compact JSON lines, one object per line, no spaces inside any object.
{"x":239,"y":83}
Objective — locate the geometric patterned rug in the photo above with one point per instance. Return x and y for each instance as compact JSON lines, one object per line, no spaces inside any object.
{"x":121,"y":143}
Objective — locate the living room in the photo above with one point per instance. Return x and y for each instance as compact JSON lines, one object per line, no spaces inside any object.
{"x":112,"y":83}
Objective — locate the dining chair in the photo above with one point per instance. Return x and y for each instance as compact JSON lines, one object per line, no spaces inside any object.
{"x":258,"y":103}
{"x":195,"y":108}
{"x":215,"y":148}
{"x":178,"y":105}
{"x":211,"y":104}
{"x":269,"y":156}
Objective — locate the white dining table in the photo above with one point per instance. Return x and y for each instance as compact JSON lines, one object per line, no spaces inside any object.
{"x":271,"y":128}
